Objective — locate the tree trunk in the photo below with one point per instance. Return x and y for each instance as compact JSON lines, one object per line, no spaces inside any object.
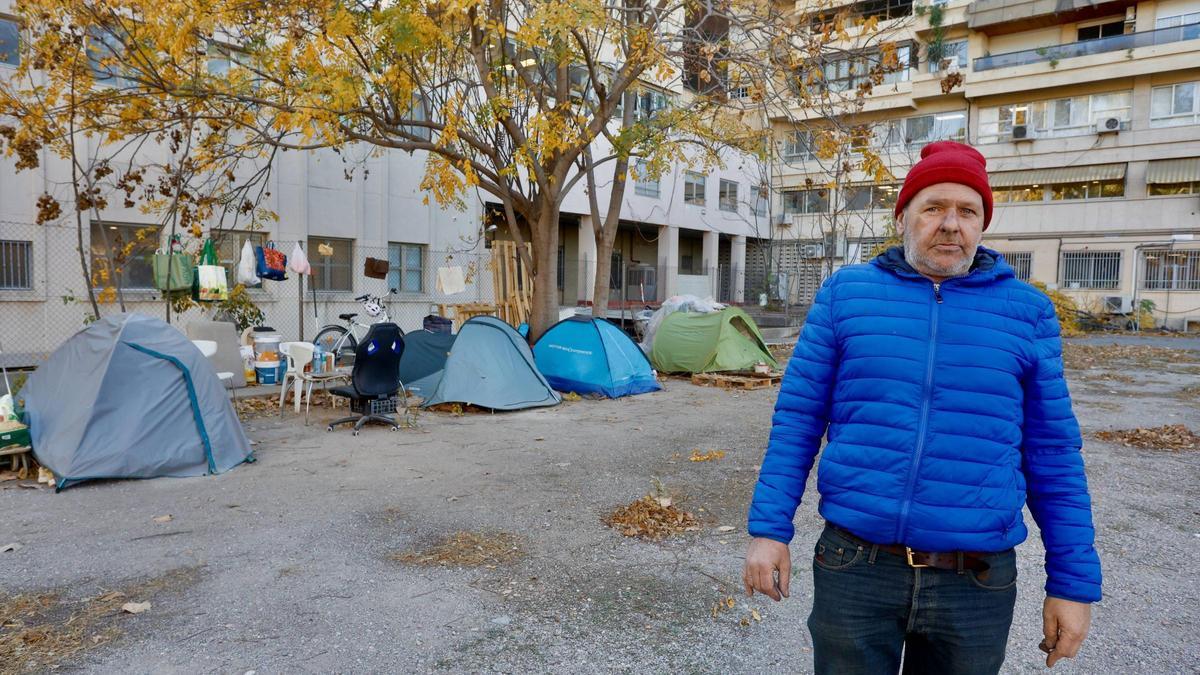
{"x":600,"y":283}
{"x":544,"y":312}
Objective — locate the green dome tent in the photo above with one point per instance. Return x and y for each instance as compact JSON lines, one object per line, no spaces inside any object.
{"x":695,"y":342}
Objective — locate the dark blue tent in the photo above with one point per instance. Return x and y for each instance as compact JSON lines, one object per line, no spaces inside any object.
{"x":490,"y":366}
{"x":587,"y":355}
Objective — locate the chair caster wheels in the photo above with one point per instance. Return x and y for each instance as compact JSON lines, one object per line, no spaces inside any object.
{"x":354,"y":433}
{"x":394,"y":428}
{"x":329,"y":428}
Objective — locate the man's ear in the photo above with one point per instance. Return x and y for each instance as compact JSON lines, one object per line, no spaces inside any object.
{"x":900,"y":221}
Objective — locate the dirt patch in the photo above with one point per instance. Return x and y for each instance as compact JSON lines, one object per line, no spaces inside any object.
{"x":1190,"y":393}
{"x":467,"y":549}
{"x":1082,"y":356}
{"x":41,"y":631}
{"x":1175,"y":437}
{"x":653,"y":518}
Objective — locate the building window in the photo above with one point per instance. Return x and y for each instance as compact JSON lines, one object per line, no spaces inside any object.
{"x":1102,"y":30}
{"x":917,"y":131}
{"x":1175,"y":105}
{"x":1192,"y":19}
{"x":728,"y":198}
{"x":952,"y":52}
{"x":805,"y":201}
{"x":229,"y":252}
{"x":331,"y":272}
{"x":643,"y":184}
{"x":1162,"y":189}
{"x":106,"y":58}
{"x":561,"y":280}
{"x":871,"y":197}
{"x":123,"y":254}
{"x":1090,"y":269}
{"x":799,"y":145}
{"x":1171,"y":271}
{"x":406,"y":266}
{"x":846,"y":73}
{"x":693,"y":188}
{"x":10,"y":42}
{"x":1096,"y":189}
{"x":1022,"y":264}
{"x":1074,"y":116}
{"x":16,"y":265}
{"x":761,"y":201}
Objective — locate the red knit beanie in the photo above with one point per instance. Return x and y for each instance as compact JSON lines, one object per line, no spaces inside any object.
{"x":948,"y":162}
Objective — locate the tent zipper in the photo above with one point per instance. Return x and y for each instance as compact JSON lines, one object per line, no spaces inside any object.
{"x":926,"y":401}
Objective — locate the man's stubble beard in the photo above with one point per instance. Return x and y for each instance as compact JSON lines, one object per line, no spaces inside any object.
{"x":925,"y":265}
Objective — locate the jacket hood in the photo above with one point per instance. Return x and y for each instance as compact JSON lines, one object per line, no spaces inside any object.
{"x":987,"y":267}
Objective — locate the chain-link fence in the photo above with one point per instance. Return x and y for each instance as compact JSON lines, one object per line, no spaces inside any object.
{"x":43,"y":299}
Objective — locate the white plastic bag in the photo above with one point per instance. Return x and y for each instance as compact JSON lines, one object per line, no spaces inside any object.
{"x":246,"y":273}
{"x":298,"y":261}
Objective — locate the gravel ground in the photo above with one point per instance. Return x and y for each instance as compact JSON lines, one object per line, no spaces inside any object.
{"x":286,"y":562}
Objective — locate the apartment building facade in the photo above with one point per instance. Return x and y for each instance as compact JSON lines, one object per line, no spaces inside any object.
{"x":1088,"y":115}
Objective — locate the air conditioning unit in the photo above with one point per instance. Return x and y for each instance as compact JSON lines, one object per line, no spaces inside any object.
{"x":1023,"y":132}
{"x":1118,"y":304}
{"x":1108,"y":125}
{"x":812,"y":251}
{"x":783,"y":220}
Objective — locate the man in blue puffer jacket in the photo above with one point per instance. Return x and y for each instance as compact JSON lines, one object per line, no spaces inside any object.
{"x":937,"y":378}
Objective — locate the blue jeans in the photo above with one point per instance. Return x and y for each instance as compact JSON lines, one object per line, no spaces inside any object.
{"x":870,"y":609}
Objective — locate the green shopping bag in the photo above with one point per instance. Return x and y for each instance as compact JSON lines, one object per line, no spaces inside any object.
{"x":209,"y":282}
{"x":172,"y":271}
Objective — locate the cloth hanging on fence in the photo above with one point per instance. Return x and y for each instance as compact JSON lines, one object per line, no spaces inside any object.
{"x":450,"y":280}
{"x":299,"y":261}
{"x":245,"y":274}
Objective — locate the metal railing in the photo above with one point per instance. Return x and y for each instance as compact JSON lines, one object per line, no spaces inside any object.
{"x":1114,"y":43}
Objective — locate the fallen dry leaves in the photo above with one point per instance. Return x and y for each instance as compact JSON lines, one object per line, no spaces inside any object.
{"x":1175,"y":437}
{"x":467,"y":549}
{"x":710,"y":456}
{"x":651,"y":518}
{"x":40,"y":631}
{"x":1078,"y":356}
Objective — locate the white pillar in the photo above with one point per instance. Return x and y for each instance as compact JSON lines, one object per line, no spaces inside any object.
{"x":737,"y":271}
{"x":710,"y":246}
{"x":668,"y":261}
{"x":587,"y":259}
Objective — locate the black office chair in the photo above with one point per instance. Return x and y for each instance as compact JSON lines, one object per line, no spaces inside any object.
{"x":375,"y":379}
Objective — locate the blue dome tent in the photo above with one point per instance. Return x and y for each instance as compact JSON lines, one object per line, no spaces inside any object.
{"x":587,"y":355}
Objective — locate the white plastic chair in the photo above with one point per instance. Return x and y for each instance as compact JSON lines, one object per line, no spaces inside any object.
{"x":298,"y":355}
{"x":208,"y":348}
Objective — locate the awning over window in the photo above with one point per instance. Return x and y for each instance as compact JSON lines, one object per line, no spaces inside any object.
{"x":1062,"y":174}
{"x":1183,"y":170}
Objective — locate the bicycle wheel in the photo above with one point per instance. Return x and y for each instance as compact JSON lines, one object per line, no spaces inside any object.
{"x":336,"y":336}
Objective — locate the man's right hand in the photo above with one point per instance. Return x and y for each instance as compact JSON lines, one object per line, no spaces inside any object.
{"x":764,"y":558}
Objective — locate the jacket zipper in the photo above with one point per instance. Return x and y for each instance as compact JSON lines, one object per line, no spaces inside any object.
{"x":926,"y":402}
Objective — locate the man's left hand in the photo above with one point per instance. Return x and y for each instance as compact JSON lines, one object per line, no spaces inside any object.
{"x":1065,"y":625}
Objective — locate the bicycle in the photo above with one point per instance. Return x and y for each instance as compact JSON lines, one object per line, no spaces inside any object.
{"x":342,"y":341}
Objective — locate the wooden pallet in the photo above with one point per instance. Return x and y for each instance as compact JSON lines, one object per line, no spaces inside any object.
{"x":738,"y":380}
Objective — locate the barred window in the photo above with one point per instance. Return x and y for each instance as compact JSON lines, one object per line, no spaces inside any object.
{"x":1022,"y":264}
{"x":16,"y":265}
{"x":1090,"y":269}
{"x":1171,"y":271}
{"x":331,"y":272}
{"x":229,"y":252}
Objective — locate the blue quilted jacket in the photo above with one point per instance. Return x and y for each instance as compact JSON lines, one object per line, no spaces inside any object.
{"x":946,"y":410}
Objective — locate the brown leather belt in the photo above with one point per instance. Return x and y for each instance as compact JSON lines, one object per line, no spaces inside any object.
{"x":944,"y":560}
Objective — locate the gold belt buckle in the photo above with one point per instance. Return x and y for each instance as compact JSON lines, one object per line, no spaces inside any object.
{"x":909,"y":552}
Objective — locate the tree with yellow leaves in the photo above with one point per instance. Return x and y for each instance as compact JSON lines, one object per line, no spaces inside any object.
{"x":522,"y":100}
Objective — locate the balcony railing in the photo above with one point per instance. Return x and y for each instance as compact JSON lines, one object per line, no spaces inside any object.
{"x":1114,"y":43}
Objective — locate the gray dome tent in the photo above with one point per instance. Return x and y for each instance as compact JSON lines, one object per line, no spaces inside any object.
{"x":131,"y":397}
{"x":491,"y":366}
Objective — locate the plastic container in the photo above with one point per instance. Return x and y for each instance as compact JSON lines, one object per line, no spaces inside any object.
{"x":266,"y":350}
{"x":267,"y":372}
